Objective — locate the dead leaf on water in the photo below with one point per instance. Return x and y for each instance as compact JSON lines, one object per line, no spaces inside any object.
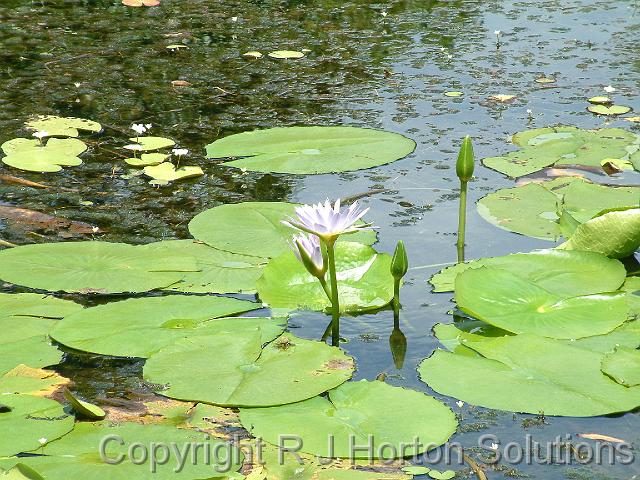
{"x":598,"y":436}
{"x":502,"y":98}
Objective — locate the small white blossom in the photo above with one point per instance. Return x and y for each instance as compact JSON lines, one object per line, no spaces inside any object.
{"x":234,"y":19}
{"x":494,"y":446}
{"x":180,"y":152}
{"x":460,"y":403}
{"x":40,"y":134}
{"x":609,"y":89}
{"x":497,"y":33}
{"x":384,"y":14}
{"x":138,"y":128}
{"x":42,"y":441}
{"x":529,"y":111}
{"x":148,"y":126}
{"x":77,"y":84}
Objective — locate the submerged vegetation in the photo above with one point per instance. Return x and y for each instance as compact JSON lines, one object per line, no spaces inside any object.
{"x":246,"y":316}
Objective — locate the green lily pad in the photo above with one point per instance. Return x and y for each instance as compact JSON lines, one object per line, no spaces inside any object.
{"x":531,"y":209}
{"x":364,"y":281}
{"x":220,"y":271}
{"x":562,"y":145}
{"x":362,"y":412}
{"x":29,"y":420}
{"x":623,"y":366}
{"x":30,"y":155}
{"x":529,"y":374}
{"x":20,"y":472}
{"x":84,"y":409}
{"x":288,"y":369}
{"x":600,"y":100}
{"x":416,"y":470}
{"x":311,"y":150}
{"x":609,"y":109}
{"x":77,"y":455}
{"x":167,"y":172}
{"x":147,"y":159}
{"x":92,"y":267}
{"x":138,"y":327}
{"x":254,"y":228}
{"x":614,"y":234}
{"x":31,"y":381}
{"x":62,"y":126}
{"x":148,"y":144}
{"x":520,"y":305}
{"x":286,"y":54}
{"x":565,"y":272}
{"x":632,"y":287}
{"x":453,"y":94}
{"x":25,"y":320}
{"x":544,"y":80}
{"x":446,"y":475}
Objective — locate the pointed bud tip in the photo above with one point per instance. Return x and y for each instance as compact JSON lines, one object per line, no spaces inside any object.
{"x":465,"y":162}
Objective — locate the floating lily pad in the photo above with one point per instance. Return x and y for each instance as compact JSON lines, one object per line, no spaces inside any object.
{"x":254,"y":228}
{"x":565,"y":272}
{"x":562,"y":145}
{"x":600,"y":100}
{"x":446,"y":475}
{"x":30,"y":155}
{"x":147,"y":159}
{"x":28,"y":420}
{"x":453,"y":94}
{"x":147,"y":144}
{"x":76,"y":455}
{"x":609,"y":110}
{"x":614,"y":234}
{"x":310,"y":150}
{"x":529,"y":374}
{"x":220,"y":271}
{"x":416,"y":470}
{"x":287,"y":370}
{"x":252,"y":54}
{"x":31,"y":381}
{"x":532,"y":209}
{"x":35,"y":352}
{"x":84,"y":409}
{"x":167,"y":172}
{"x":91,"y":267}
{"x":138,"y":327}
{"x":362,"y":412}
{"x":364,"y":281}
{"x":519,"y":305}
{"x":502,"y":98}
{"x":286,"y":54}
{"x":623,"y":366}
{"x":20,"y":472}
{"x":62,"y":126}
{"x":544,"y":80}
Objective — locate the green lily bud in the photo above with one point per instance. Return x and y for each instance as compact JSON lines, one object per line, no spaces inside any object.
{"x":308,"y":262}
{"x":398,"y":345}
{"x":399,"y":263}
{"x":464,"y":165}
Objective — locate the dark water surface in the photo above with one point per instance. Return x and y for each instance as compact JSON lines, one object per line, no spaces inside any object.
{"x":99,"y":60}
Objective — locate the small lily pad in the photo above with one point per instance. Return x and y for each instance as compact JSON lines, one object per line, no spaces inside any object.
{"x":502,"y":98}
{"x":286,"y":54}
{"x":609,"y":110}
{"x":30,"y":155}
{"x":545,"y":80}
{"x":453,"y":94}
{"x":62,"y":126}
{"x":176,"y":46}
{"x":623,"y":366}
{"x":446,"y":475}
{"x":416,"y":470}
{"x":600,"y":100}
{"x":167,"y":172}
{"x":84,"y":409}
{"x":147,"y":144}
{"x":252,"y":54}
{"x":147,"y":159}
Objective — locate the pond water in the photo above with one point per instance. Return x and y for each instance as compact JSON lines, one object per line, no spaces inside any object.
{"x":99,"y":60}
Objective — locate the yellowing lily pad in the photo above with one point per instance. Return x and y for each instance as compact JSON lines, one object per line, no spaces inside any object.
{"x":147,"y":160}
{"x":252,"y":54}
{"x":31,"y":381}
{"x":600,"y":100}
{"x":544,"y":80}
{"x":167,"y":172}
{"x":62,"y":126}
{"x":502,"y":98}
{"x":609,"y":110}
{"x":280,"y":54}
{"x":453,"y":94}
{"x":147,"y":144}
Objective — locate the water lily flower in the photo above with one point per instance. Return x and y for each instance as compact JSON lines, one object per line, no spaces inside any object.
{"x":179,"y":152}
{"x":148,"y":126}
{"x":308,"y":250}
{"x":138,"y":128}
{"x":40,"y":134}
{"x":328,"y":222}
{"x":609,"y":89}
{"x":460,"y":403}
{"x":497,"y":33}
{"x":42,"y":441}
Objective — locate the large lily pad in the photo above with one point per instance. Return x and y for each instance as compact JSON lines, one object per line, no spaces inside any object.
{"x":287,"y":370}
{"x":532,"y":209}
{"x":77,"y":455}
{"x":253,"y":228}
{"x":623,"y":366}
{"x":28,"y":420}
{"x":31,"y":381}
{"x":565,"y":272}
{"x":30,"y":155}
{"x":520,"y":305}
{"x":62,"y":126}
{"x":364,"y":281}
{"x":549,"y":146}
{"x":220,"y":271}
{"x":308,"y":150}
{"x":138,"y":327}
{"x":92,"y":267}
{"x":614,"y":234}
{"x":529,"y":374}
{"x":362,"y":412}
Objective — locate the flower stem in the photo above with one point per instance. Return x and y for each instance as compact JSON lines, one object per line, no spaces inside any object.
{"x":335,"y":302}
{"x":396,"y":294}
{"x":325,"y":287}
{"x":462,"y":220}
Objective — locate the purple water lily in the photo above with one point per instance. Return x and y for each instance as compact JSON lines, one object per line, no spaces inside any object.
{"x":327,"y":221}
{"x":309,"y":246}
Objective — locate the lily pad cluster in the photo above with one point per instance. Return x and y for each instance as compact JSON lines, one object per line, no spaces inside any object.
{"x":541,"y":210}
{"x":565,"y":146}
{"x":46,"y":154}
{"x":310,"y":150}
{"x":556,"y":334}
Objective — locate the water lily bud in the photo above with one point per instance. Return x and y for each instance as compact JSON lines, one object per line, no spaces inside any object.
{"x":308,"y":262}
{"x":399,"y":263}
{"x":464,"y":165}
{"x":398,"y":345}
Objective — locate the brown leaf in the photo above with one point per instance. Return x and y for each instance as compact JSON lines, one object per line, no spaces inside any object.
{"x":180,"y":83}
{"x":41,"y":221}
{"x":604,"y":438}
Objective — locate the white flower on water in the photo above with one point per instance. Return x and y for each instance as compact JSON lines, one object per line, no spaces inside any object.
{"x":180,"y":152}
{"x":497,"y":33}
{"x":383,"y":13}
{"x":328,"y":222}
{"x":529,"y":111}
{"x":460,"y":403}
{"x":138,"y":128}
{"x":148,"y":126}
{"x":494,"y":446}
{"x":40,"y":134}
{"x":42,"y":441}
{"x":609,"y":89}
